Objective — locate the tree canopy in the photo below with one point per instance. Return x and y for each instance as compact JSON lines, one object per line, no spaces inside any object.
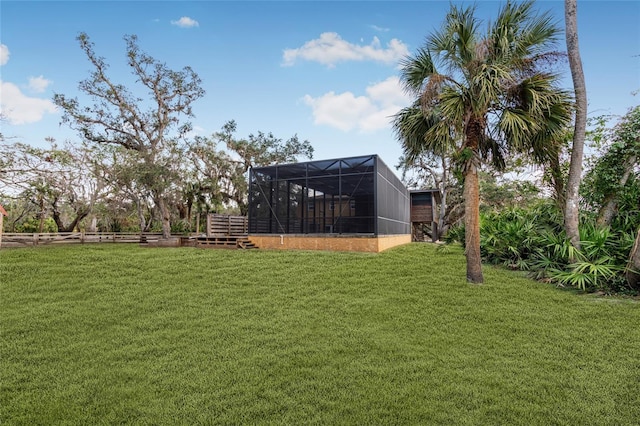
{"x":480,"y":95}
{"x":154,"y":126}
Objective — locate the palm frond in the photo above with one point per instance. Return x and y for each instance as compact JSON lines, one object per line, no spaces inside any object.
{"x":456,"y":41}
{"x":492,"y":81}
{"x":519,"y":33}
{"x":415,"y":70}
{"x":419,"y":132}
{"x":535,"y":115}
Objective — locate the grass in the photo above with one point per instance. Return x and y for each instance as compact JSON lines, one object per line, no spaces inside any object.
{"x":104,"y":334}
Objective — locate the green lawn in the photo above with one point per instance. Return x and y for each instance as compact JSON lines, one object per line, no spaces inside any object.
{"x":104,"y":334}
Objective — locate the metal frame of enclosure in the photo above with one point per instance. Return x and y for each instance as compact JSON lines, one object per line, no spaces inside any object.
{"x":357,"y":195}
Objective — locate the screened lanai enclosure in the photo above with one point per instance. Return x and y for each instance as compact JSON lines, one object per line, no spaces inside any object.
{"x":347,"y":196}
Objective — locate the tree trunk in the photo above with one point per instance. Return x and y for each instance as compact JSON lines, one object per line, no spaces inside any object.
{"x":190,"y":213}
{"x":443,"y":199}
{"x":471,"y":195}
{"x":55,"y":214}
{"x":557,"y":181}
{"x":572,"y":213}
{"x":93,"y":224}
{"x":472,"y":225}
{"x":633,"y":268}
{"x":165,"y":216}
{"x":610,"y":204}
{"x":442,"y":213}
{"x":141,"y":219}
{"x":72,"y":226}
{"x":80,"y":214}
{"x":41,"y":216}
{"x":607,"y":211}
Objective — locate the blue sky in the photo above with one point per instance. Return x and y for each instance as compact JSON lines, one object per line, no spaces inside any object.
{"x":326,"y":71}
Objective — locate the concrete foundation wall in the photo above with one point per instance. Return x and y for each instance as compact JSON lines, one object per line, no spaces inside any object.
{"x":390,"y":241}
{"x":331,"y":243}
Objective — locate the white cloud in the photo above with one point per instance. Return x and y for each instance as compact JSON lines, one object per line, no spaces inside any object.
{"x":38,"y":84}
{"x":366,"y":113}
{"x":330,"y":49}
{"x":4,"y":54}
{"x":389,"y":92}
{"x":343,"y":111}
{"x":380,"y":29}
{"x":185,"y":22}
{"x":21,"y":109}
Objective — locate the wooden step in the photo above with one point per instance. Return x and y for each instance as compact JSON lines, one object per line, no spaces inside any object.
{"x":246,"y":244}
{"x":225,"y":241}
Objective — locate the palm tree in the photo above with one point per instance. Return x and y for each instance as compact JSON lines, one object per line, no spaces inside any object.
{"x":571,"y":212}
{"x":482,"y":96}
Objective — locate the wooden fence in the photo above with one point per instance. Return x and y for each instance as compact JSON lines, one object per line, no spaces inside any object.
{"x":226,"y":225}
{"x":10,"y":239}
{"x":218,"y":225}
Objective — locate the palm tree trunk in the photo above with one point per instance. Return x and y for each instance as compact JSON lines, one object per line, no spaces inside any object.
{"x":572,"y":213}
{"x":472,"y":225}
{"x":471,"y":195}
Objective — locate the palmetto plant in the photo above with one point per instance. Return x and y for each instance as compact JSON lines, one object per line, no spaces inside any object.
{"x":509,"y":240}
{"x":589,"y":274}
{"x":534,"y":240}
{"x":482,"y":94}
{"x":601,"y":261}
{"x":596,"y":242}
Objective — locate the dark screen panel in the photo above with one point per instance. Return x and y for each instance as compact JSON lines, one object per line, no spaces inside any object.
{"x":346,"y":196}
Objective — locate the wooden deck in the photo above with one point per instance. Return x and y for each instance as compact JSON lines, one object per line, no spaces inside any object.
{"x":225,"y":242}
{"x":226,"y":231}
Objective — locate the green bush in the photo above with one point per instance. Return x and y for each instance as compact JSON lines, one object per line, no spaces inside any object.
{"x":181,"y":227}
{"x":534,"y":240}
{"x":33,"y":225}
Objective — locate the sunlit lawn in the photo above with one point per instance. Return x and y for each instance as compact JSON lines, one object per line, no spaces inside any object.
{"x":104,"y":334}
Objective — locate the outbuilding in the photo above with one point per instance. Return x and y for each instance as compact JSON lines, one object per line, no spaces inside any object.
{"x":351,"y":204}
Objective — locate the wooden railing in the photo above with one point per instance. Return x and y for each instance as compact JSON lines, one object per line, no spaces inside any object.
{"x":10,"y":239}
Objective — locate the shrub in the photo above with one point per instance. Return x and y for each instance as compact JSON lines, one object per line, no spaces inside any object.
{"x":33,"y":225}
{"x":534,"y":240}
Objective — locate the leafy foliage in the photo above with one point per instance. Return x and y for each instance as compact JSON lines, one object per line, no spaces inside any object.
{"x":534,"y":240}
{"x":531,"y":237}
{"x":56,"y":182}
{"x":481,"y":95}
{"x":611,"y":187}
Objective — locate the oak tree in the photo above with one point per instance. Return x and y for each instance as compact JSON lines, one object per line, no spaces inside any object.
{"x":153,"y":125}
